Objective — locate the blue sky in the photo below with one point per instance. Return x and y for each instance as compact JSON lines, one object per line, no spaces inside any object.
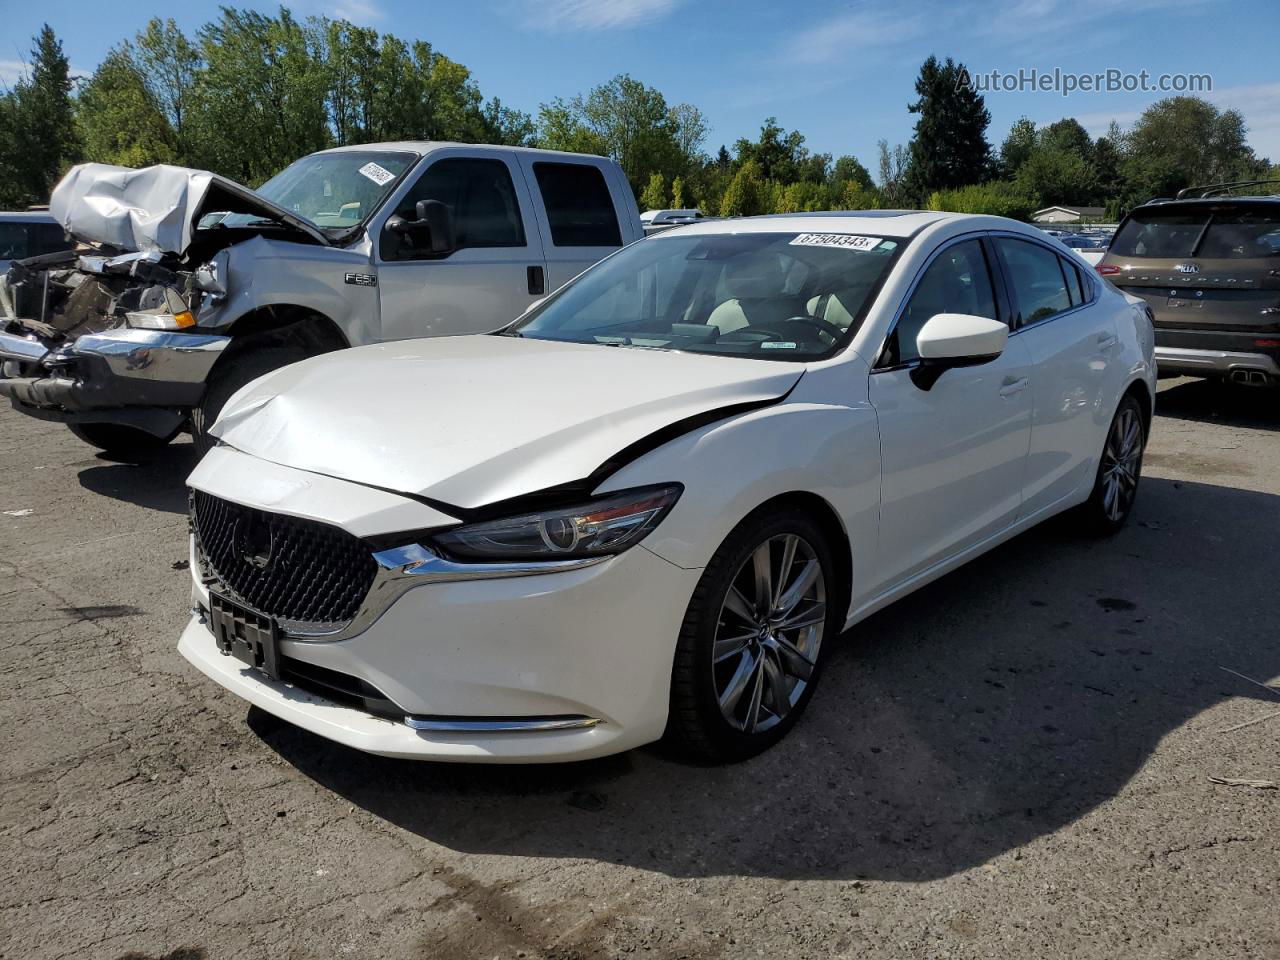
{"x":840,"y":72}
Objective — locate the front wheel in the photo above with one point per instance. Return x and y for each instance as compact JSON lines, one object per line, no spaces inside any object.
{"x":749,"y":653}
{"x":1120,"y":468}
{"x":118,"y":440}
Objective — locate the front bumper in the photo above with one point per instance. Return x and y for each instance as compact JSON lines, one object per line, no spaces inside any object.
{"x":143,"y":378}
{"x":472,"y":668}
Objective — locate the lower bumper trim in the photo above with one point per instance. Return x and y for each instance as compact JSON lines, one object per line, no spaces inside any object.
{"x":1214,"y":361}
{"x":499,"y":725}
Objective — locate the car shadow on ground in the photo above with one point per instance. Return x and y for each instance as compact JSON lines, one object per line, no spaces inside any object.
{"x":157,"y":482}
{"x":1216,"y":401}
{"x":994,"y":706}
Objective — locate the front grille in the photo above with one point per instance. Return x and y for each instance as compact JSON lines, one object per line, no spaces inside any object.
{"x":295,"y":570}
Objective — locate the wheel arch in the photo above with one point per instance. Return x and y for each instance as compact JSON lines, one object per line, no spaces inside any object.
{"x":280,"y":325}
{"x":1141,"y":391}
{"x":828,"y":520}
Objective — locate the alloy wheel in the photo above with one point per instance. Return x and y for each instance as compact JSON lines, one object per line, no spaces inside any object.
{"x":768,"y":633}
{"x":1121,"y":461}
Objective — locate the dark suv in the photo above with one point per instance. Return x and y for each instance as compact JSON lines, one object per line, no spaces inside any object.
{"x":1208,"y":266}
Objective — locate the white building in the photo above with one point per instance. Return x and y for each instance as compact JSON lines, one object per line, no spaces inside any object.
{"x":1068,"y":214}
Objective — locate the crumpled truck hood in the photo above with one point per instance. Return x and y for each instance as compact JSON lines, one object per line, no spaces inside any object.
{"x":154,"y":208}
{"x":470,"y":421}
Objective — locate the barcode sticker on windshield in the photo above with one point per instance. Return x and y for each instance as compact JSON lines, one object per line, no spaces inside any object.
{"x":379,"y":175}
{"x":846,"y":240}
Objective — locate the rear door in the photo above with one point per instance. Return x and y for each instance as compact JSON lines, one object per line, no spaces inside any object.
{"x":494,"y":272}
{"x":577,"y":203}
{"x":1073,"y":345}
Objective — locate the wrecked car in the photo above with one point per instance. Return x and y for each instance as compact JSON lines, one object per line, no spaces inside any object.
{"x":184,"y":285}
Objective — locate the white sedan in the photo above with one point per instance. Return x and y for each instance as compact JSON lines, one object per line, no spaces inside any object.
{"x":651,"y":505}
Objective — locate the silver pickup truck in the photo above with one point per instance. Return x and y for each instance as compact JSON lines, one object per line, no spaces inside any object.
{"x":186,"y":285}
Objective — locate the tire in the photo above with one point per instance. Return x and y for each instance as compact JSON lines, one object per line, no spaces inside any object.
{"x":773,"y":664}
{"x":1115,"y":488}
{"x":246,"y":364}
{"x":118,"y":440}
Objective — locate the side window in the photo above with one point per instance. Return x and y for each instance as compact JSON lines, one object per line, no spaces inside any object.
{"x":579,"y":208}
{"x":1035,"y":274}
{"x":958,"y":281}
{"x":481,"y":196}
{"x":48,"y":238}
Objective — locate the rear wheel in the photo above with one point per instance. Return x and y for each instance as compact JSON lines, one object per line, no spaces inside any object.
{"x":749,"y":652}
{"x":246,"y":365}
{"x":119,"y":440}
{"x":1120,"y":468}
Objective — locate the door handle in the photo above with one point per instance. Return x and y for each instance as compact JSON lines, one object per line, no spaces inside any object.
{"x":1013,"y":385}
{"x":537,"y":281}
{"x":1107,"y":340}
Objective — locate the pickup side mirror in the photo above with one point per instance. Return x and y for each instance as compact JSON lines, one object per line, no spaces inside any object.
{"x":956,"y":340}
{"x":431,"y":233}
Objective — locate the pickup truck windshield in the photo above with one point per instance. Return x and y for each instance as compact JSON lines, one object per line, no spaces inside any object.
{"x":335,"y":191}
{"x":769,"y":296}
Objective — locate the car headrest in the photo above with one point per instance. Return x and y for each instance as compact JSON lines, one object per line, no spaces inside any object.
{"x":754,"y":277}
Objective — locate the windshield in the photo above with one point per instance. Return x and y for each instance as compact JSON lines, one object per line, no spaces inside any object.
{"x":771,"y":296}
{"x":1220,"y":234}
{"x":335,"y":191}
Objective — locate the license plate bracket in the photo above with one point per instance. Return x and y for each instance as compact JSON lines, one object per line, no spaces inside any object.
{"x":249,"y":636}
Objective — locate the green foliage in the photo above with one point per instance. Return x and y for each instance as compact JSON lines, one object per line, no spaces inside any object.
{"x":37,"y":129}
{"x":654,"y":196}
{"x":1017,"y":146}
{"x":1000,"y":198}
{"x":747,"y":194}
{"x":119,"y":120}
{"x":949,"y":148}
{"x":677,"y":194}
{"x":1056,"y":176}
{"x":628,"y":122}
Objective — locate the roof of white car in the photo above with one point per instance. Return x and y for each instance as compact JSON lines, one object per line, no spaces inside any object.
{"x":426,"y":146}
{"x":891,"y":223}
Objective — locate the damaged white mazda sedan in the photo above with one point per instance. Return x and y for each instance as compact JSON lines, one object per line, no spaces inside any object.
{"x":650,"y":505}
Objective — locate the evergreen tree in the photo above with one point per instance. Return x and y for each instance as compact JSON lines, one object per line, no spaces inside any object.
{"x":949,"y":148}
{"x":37,"y":130}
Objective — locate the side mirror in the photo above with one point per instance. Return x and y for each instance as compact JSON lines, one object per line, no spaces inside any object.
{"x":430,"y":233}
{"x":956,"y":340}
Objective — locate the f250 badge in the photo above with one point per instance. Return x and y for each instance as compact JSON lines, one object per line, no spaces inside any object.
{"x":362,"y":279}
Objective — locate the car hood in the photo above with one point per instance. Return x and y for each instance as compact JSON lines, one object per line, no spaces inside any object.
{"x":155,"y":208}
{"x":470,"y":421}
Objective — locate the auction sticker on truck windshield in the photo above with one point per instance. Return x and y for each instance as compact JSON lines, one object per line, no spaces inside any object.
{"x":846,"y":240}
{"x":379,"y":175}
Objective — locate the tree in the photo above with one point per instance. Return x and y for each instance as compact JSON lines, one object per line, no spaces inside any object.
{"x":677,"y":194}
{"x":118,"y":118}
{"x":848,"y":169}
{"x":654,"y":196}
{"x":37,"y":129}
{"x":627,"y":122}
{"x":949,"y":148}
{"x":893,"y":166}
{"x":168,"y":64}
{"x":1000,"y":198}
{"x":781,"y":155}
{"x":1067,"y":136}
{"x":1182,"y":141}
{"x":1017,"y":146}
{"x":746,"y":194}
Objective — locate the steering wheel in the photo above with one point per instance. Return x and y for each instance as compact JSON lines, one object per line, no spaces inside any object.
{"x":822,"y":326}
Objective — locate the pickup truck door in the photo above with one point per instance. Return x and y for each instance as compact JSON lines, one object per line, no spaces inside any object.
{"x":583,"y":209}
{"x":496,"y":269}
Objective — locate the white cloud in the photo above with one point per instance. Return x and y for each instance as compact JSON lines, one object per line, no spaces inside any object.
{"x":567,"y":15}
{"x":360,"y":12}
{"x":837,"y":36}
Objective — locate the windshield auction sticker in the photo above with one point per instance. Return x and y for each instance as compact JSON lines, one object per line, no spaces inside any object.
{"x":846,"y":240}
{"x":379,"y":175}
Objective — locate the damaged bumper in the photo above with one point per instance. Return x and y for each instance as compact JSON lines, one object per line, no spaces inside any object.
{"x":142,"y":378}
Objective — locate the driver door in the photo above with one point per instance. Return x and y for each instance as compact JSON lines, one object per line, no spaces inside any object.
{"x":953,"y":457}
{"x":496,"y":269}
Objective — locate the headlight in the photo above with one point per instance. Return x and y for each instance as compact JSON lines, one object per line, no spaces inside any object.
{"x":608,"y":525}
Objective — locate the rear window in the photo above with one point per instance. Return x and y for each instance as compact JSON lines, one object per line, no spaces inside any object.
{"x":1213,"y":234}
{"x":19,"y":240}
{"x":579,"y":208}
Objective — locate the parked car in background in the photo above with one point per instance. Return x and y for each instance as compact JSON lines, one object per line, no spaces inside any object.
{"x":29,"y":233}
{"x":1208,"y":265}
{"x":658,"y":220}
{"x":653,"y":503}
{"x":196,"y":285}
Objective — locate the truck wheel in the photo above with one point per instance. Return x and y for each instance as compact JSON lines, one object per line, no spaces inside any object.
{"x":245,"y":366}
{"x":119,"y":440}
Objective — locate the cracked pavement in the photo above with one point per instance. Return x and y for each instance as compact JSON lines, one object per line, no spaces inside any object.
{"x":1013,"y":762}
